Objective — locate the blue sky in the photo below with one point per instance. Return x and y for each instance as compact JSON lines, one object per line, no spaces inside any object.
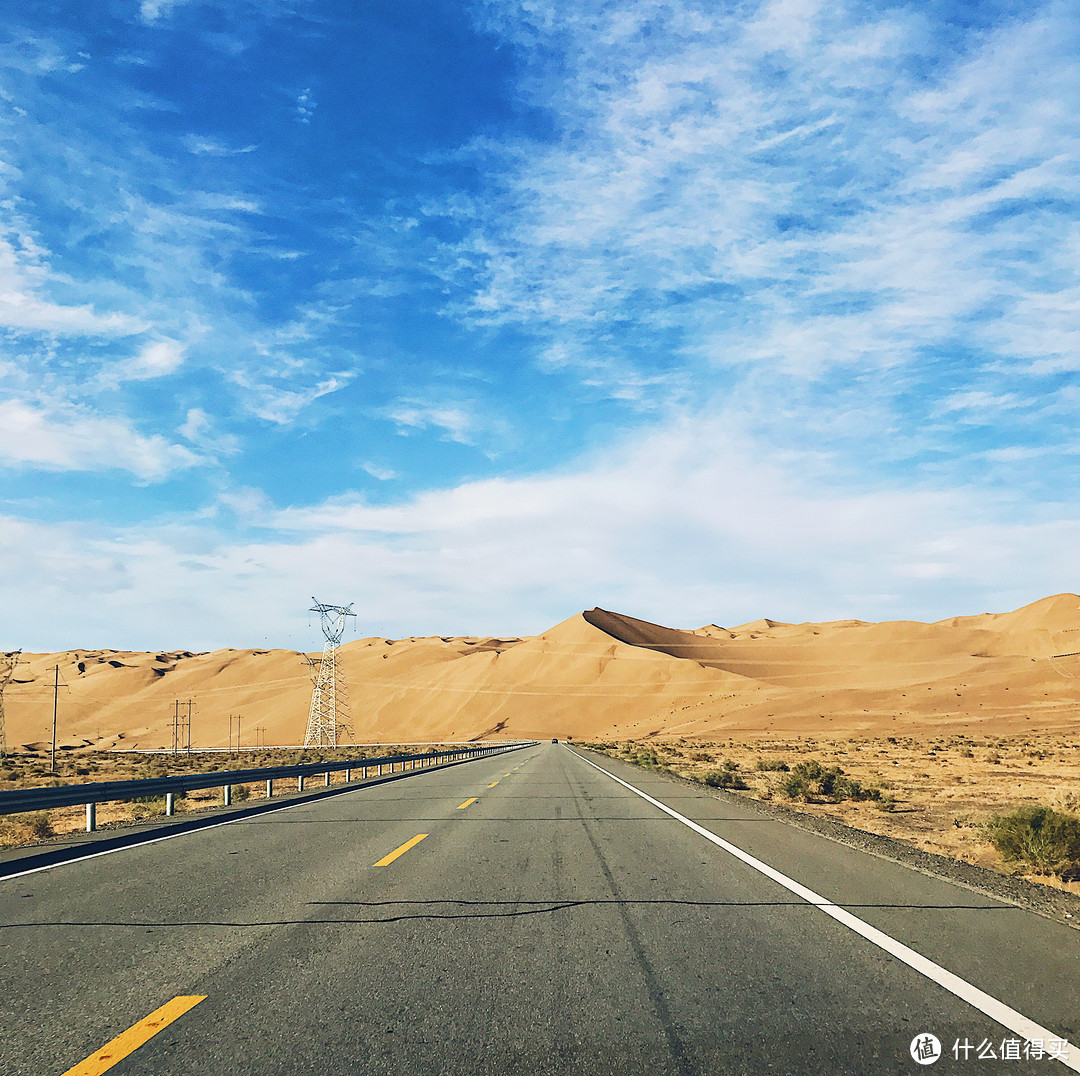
{"x":479,"y":314}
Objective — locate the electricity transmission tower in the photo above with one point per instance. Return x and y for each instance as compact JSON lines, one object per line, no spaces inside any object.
{"x":8,"y":661}
{"x":328,"y":719}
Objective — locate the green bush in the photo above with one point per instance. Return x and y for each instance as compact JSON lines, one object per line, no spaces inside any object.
{"x":773,"y":765}
{"x":240,"y":793}
{"x":811,"y":781}
{"x":1045,"y":840}
{"x":723,"y":779}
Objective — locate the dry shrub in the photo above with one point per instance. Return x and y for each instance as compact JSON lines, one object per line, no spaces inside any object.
{"x":725,"y":778}
{"x":1039,"y":838}
{"x":20,"y":828}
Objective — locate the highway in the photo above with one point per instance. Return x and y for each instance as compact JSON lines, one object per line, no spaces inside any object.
{"x":523,"y":914}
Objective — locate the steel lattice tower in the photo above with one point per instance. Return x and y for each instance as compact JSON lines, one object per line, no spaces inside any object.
{"x":328,"y":719}
{"x":8,"y":661}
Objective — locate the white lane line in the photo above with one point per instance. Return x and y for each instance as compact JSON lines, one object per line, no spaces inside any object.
{"x":1015,"y":1021}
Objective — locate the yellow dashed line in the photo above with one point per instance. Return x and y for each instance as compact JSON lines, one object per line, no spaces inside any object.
{"x":462,"y":806}
{"x":127,"y":1042}
{"x":388,"y":859}
{"x":493,"y":784}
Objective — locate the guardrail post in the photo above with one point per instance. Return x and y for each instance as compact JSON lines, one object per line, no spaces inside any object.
{"x":348,"y":775}
{"x":363,"y":773}
{"x":170,"y":804}
{"x":226,"y":795}
{"x":380,"y":769}
{"x":91,"y":817}
{"x":300,"y":783}
{"x":270,"y":788}
{"x":326,"y":779}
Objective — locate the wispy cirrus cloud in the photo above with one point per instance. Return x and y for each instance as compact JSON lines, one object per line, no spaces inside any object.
{"x":794,"y":186}
{"x":212,"y":147}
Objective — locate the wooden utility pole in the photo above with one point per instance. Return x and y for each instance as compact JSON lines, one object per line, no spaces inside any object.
{"x":55,"y":692}
{"x":8,"y":661}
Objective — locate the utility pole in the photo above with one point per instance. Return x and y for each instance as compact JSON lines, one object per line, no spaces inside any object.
{"x":328,"y":717}
{"x":55,"y":692}
{"x":188,"y":727}
{"x":175,"y":725}
{"x":8,"y":661}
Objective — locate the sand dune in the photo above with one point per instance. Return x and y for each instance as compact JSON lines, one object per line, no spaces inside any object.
{"x":597,"y":674}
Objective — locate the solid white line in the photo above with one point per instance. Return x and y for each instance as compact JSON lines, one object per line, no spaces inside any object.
{"x":996,"y":1010}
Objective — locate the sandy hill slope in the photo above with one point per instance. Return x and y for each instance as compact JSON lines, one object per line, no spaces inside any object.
{"x":597,"y":674}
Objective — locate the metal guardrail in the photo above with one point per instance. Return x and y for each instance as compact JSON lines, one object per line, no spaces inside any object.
{"x":94,"y":792}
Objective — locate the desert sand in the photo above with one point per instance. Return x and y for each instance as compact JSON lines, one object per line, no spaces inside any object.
{"x":599,"y":675}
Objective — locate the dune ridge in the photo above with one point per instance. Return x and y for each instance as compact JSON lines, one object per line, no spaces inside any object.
{"x":597,"y":674}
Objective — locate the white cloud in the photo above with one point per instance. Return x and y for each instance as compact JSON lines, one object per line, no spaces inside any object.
{"x":456,"y":423}
{"x":281,"y":406}
{"x":24,"y":275}
{"x":199,"y":429}
{"x":979,"y":405}
{"x":71,"y":439}
{"x":152,"y":10}
{"x":305,"y":106}
{"x":675,"y":527}
{"x":195,"y":425}
{"x":156,"y":358}
{"x":212,"y":147}
{"x":382,"y":474}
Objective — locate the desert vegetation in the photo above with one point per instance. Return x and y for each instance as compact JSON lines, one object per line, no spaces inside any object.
{"x":1007,"y":803}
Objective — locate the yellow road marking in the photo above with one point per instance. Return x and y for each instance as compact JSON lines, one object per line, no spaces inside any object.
{"x":387,"y":860}
{"x":127,"y":1042}
{"x":462,"y":806}
{"x":493,"y":784}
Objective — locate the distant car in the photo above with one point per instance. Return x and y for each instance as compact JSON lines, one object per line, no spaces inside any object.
{"x":554,"y":739}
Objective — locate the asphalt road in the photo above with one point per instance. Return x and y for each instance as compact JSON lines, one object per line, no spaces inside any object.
{"x":558,"y":923}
